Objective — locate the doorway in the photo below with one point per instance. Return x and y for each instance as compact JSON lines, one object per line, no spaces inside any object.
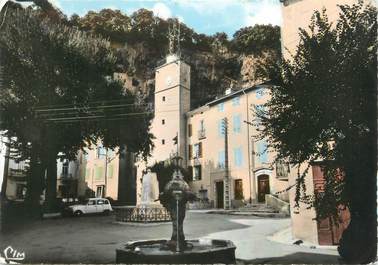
{"x":263,"y":187}
{"x":220,"y":194}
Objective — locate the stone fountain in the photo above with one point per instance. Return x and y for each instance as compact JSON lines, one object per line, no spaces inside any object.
{"x":149,"y":210}
{"x":177,"y":250}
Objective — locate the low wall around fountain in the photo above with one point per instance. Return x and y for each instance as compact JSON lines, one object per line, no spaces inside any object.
{"x":142,"y":214}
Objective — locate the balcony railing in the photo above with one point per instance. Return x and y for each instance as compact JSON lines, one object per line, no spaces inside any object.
{"x":201,"y":134}
{"x":65,"y":175}
{"x":17,"y":173}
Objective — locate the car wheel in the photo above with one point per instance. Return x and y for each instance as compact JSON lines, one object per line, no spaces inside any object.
{"x":106,"y":212}
{"x":78,"y":213}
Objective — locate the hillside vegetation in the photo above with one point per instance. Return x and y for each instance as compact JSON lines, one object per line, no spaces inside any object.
{"x":140,"y":42}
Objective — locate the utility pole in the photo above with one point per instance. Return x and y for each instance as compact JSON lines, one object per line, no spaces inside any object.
{"x":107,"y":161}
{"x":226,"y":181}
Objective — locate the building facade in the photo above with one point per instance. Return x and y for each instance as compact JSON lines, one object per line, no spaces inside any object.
{"x":227,"y":159}
{"x":108,"y":173}
{"x":229,"y":166}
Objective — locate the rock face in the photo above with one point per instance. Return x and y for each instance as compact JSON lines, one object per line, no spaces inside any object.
{"x":211,"y":72}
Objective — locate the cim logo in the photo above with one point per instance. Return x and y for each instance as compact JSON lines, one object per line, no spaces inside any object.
{"x":11,"y":254}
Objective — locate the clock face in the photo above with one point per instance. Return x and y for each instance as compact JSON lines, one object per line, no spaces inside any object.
{"x":168,"y":81}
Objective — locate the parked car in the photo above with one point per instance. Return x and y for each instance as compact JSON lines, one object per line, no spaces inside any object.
{"x":91,"y":206}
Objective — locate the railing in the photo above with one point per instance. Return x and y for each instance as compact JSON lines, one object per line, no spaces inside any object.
{"x":142,"y":214}
{"x":201,"y":134}
{"x":65,"y":175}
{"x":17,"y":173}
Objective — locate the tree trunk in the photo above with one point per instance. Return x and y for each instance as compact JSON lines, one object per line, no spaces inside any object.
{"x":51,"y":182}
{"x":34,"y":186}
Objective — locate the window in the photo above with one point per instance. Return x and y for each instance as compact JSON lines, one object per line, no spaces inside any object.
{"x":282,"y":169}
{"x":65,"y":168}
{"x":197,"y":174}
{"x":162,"y":121}
{"x":190,"y":151}
{"x":202,"y":125}
{"x":238,"y":157}
{"x":190,"y":171}
{"x":260,"y":93}
{"x":100,"y":202}
{"x":99,"y":173}
{"x":163,"y":98}
{"x":93,"y":202}
{"x":238,"y":189}
{"x":221,"y":128}
{"x":262,"y":153}
{"x":237,"y":123}
{"x":190,"y":132}
{"x":110,"y":171}
{"x":162,"y":141}
{"x":106,"y":202}
{"x":221,"y":107}
{"x":221,"y":159}
{"x":99,"y":192}
{"x":101,"y":151}
{"x":20,"y":191}
{"x":197,"y":150}
{"x":236,"y":101}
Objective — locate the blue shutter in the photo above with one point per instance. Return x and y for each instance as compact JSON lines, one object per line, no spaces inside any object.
{"x":262,"y":152}
{"x":259,"y":93}
{"x":221,"y":159}
{"x":238,"y":157}
{"x":221,"y":107}
{"x":236,"y":101}
{"x":237,"y":123}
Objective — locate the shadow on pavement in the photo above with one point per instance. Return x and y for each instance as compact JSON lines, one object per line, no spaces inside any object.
{"x":296,"y":258}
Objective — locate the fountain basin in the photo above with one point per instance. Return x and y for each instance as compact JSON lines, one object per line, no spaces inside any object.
{"x":203,"y":251}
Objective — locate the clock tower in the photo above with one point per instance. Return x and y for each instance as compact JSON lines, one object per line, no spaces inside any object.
{"x":172,"y":102}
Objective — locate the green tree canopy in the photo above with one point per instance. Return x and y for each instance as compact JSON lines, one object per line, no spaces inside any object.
{"x":257,"y":39}
{"x":324,"y":108}
{"x":58,"y":94}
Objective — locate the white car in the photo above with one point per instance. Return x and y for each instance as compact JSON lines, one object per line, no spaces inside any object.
{"x":93,"y":205}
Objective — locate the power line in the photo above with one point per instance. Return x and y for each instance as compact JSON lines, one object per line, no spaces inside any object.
{"x":89,"y":102}
{"x":89,"y":108}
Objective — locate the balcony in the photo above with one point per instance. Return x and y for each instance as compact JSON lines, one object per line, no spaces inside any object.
{"x":201,"y":134}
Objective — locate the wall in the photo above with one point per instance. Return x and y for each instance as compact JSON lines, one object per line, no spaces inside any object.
{"x":297,"y":14}
{"x":95,"y":172}
{"x":242,"y":139}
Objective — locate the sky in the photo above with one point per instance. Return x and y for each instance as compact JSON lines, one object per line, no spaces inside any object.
{"x":204,"y":16}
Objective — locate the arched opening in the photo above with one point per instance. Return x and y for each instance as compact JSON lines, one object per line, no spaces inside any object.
{"x":263,"y":187}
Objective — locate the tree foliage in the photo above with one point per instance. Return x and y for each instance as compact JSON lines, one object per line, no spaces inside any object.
{"x":324,"y":108}
{"x":164,"y":171}
{"x":51,"y":66}
{"x":256,"y":39}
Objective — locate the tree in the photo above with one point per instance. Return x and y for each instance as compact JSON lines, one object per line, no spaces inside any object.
{"x":58,"y":95}
{"x":257,"y":39}
{"x":324,"y":107}
{"x":164,"y":171}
